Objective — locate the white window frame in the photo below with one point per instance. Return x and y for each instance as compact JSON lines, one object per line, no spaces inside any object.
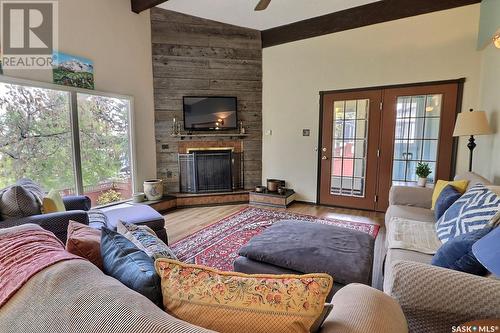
{"x":75,"y":132}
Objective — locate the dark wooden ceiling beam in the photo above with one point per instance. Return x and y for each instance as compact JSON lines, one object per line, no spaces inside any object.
{"x":376,"y":12}
{"x":141,"y":5}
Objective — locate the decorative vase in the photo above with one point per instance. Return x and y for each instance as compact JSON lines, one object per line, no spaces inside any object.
{"x":138,"y":197}
{"x":153,"y":189}
{"x":422,"y":182}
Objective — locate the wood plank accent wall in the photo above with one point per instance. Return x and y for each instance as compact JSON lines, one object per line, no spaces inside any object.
{"x":195,"y":56}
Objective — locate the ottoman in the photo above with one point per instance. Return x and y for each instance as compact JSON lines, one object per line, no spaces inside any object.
{"x":297,"y":247}
{"x":136,"y":214}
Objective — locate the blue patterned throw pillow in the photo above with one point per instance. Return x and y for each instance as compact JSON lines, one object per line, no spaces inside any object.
{"x":145,"y":239}
{"x":473,"y":211}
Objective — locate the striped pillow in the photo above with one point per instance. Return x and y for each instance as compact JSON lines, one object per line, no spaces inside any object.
{"x":473,"y":211}
{"x":145,"y":239}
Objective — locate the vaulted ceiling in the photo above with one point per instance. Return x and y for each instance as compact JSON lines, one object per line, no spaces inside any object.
{"x":290,"y":20}
{"x":241,"y":12}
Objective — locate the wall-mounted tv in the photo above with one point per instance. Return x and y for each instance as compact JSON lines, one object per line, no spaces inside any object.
{"x":210,"y":113}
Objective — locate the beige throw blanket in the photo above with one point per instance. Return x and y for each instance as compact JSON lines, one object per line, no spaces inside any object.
{"x":413,"y":235}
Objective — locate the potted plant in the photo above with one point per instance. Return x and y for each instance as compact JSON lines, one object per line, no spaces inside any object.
{"x":423,"y":171}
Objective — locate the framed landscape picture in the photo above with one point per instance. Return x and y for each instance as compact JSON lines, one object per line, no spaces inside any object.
{"x":69,"y":70}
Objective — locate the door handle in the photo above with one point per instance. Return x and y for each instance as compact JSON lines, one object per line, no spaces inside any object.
{"x":324,"y":158}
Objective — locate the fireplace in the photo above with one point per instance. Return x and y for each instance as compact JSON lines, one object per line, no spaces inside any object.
{"x":210,"y":170}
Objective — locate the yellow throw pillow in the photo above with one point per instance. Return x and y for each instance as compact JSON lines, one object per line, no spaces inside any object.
{"x":459,"y":185}
{"x":229,"y":302}
{"x":53,"y":203}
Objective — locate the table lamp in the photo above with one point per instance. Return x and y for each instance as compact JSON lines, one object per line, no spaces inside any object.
{"x":470,"y":124}
{"x":487,"y":251}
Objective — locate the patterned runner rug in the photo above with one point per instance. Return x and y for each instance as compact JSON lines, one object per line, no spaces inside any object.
{"x":217,"y":245}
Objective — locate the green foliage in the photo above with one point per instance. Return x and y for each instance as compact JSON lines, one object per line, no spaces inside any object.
{"x":75,"y":79}
{"x":423,"y":170}
{"x":108,"y":197}
{"x":35,"y":137}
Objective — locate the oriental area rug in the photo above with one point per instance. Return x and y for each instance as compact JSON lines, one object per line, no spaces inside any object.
{"x":217,"y":245}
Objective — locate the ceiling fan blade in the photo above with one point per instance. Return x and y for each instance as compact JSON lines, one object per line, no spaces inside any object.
{"x":262,"y":4}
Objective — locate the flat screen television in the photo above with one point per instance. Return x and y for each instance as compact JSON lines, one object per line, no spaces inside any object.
{"x":210,"y":113}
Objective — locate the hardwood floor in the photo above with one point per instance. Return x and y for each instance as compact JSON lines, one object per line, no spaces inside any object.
{"x":185,"y":221}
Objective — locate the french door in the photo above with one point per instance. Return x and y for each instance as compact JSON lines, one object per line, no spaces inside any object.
{"x":372,"y":139}
{"x":350,"y":138}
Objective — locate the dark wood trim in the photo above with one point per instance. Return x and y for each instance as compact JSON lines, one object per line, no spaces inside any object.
{"x":141,"y":5}
{"x":398,"y":85}
{"x":372,"y":13}
{"x":320,"y":139}
{"x":305,"y":203}
{"x":446,"y":125}
{"x":460,"y":82}
{"x":326,"y":197}
{"x":454,"y":150}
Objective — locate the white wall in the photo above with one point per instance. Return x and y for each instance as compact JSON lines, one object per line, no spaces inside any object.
{"x":119,"y":43}
{"x":487,"y":158}
{"x":436,"y":46}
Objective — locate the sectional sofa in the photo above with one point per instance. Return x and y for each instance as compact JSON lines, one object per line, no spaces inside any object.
{"x":432,"y":298}
{"x":74,"y":296}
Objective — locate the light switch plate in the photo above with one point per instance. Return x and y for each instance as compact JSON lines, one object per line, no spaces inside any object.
{"x":269,"y":132}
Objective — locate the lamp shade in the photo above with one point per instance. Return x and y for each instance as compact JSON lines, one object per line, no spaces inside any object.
{"x":487,"y":251}
{"x":472,"y":123}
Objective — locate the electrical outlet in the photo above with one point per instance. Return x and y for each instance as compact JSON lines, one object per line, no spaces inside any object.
{"x":306,"y":132}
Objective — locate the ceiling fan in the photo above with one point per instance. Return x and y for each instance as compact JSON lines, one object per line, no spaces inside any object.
{"x":262,"y":5}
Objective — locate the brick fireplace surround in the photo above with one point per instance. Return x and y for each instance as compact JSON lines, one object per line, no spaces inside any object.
{"x":185,"y":147}
{"x":218,"y":168}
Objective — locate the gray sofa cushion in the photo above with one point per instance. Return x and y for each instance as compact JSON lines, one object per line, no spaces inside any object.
{"x":21,"y":200}
{"x":307,"y":247}
{"x":31,"y":186}
{"x":473,"y":179}
{"x":410,"y":213}
{"x":18,"y":201}
{"x":395,"y":255}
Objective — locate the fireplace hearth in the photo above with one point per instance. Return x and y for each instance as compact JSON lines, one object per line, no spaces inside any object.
{"x":210,"y":170}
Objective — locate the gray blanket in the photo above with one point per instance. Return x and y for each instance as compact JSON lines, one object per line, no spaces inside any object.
{"x":307,"y":247}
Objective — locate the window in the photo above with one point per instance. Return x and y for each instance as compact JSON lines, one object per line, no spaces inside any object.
{"x":350,"y":130}
{"x":68,"y":139}
{"x":417,"y":135}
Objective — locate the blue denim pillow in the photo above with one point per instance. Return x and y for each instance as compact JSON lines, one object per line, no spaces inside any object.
{"x":129,"y":265}
{"x":446,"y":198}
{"x":457,"y":253}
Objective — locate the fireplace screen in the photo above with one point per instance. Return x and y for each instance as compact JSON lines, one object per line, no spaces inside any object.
{"x":210,"y":171}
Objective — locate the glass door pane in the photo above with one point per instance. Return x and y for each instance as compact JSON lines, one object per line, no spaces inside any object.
{"x":416,"y":135}
{"x":35,"y":137}
{"x":350,"y":134}
{"x":105,"y":148}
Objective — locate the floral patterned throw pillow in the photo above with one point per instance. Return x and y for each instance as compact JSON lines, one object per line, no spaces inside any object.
{"x":235,"y":302}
